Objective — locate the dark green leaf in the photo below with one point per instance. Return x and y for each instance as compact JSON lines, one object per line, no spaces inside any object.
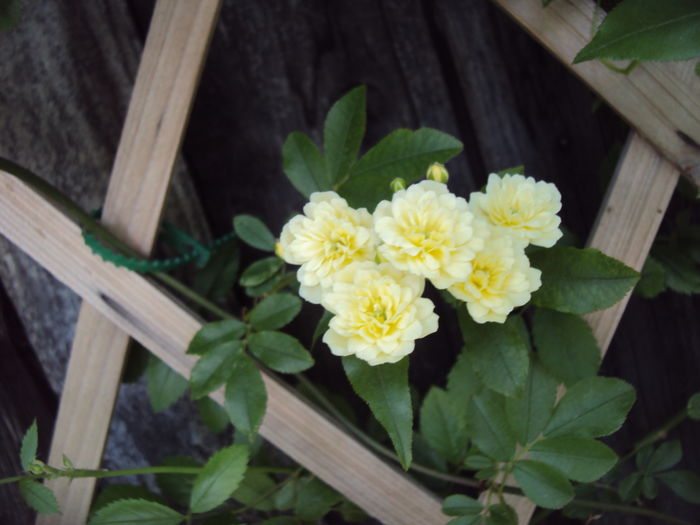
{"x":580,"y":281}
{"x":684,"y":483}
{"x":304,"y":165}
{"x":462,"y":382}
{"x":343,"y":132}
{"x":321,"y":327}
{"x":631,"y":487}
{"x":593,"y":407}
{"x":580,"y":459}
{"x":461,"y":505}
{"x":246,"y":398}
{"x":217,"y":278}
{"x":281,"y":352}
{"x":214,"y":335}
{"x":136,"y":363}
{"x":38,"y":497}
{"x":643,"y":456}
{"x":283,"y":498}
{"x":253,"y":232}
{"x":466,"y":520}
{"x":544,"y":485}
{"x":647,"y":30}
{"x":566,"y":345}
{"x":266,"y":287}
{"x":118,"y":491}
{"x":682,"y":274}
{"x":164,"y":385}
{"x":385,"y":389}
{"x":653,"y":279}
{"x":275,"y":311}
{"x":213,"y":416}
{"x":10,"y":13}
{"x":260,"y":271}
{"x":214,"y":368}
{"x":136,"y":512}
{"x":315,"y":499}
{"x":665,"y":457}
{"x":403,"y":153}
{"x":502,"y":514}
{"x":545,"y":3}
{"x":649,"y":487}
{"x":443,"y":425}
{"x":280,"y":520}
{"x":30,"y":441}
{"x":219,"y":478}
{"x":694,"y":407}
{"x":254,"y":486}
{"x":177,"y":487}
{"x":488,"y":427}
{"x":515,"y":170}
{"x":351,"y":512}
{"x":478,"y":462}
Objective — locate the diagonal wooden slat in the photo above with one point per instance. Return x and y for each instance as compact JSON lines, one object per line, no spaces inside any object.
{"x":165,"y":84}
{"x":165,"y":328}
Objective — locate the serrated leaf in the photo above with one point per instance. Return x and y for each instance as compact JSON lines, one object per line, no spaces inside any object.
{"x":281,"y":352}
{"x":580,"y":281}
{"x":213,"y":416}
{"x":593,"y":407}
{"x":684,"y":483}
{"x":544,"y":485}
{"x":10,"y":13}
{"x":177,"y":487}
{"x":693,"y":407}
{"x":502,"y":514}
{"x":275,"y":311}
{"x":260,"y":271}
{"x":253,"y":487}
{"x":217,"y":278}
{"x":214,"y":368}
{"x":631,"y":487}
{"x":443,"y":425}
{"x":30,"y":441}
{"x":253,"y":232}
{"x":566,"y":345}
{"x":164,"y":385}
{"x":664,"y":457}
{"x":213,"y":335}
{"x":488,"y":427}
{"x":647,"y":30}
{"x":580,"y":459}
{"x":245,"y":398}
{"x":403,"y":153}
{"x":315,"y":499}
{"x":385,"y":389}
{"x":461,"y":505}
{"x":652,"y":280}
{"x":38,"y":497}
{"x":462,"y":382}
{"x":120,"y":491}
{"x":219,"y":478}
{"x":136,"y":512}
{"x":343,"y":131}
{"x":304,"y":165}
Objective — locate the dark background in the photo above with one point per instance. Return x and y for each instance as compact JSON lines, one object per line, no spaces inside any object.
{"x":274,"y":67}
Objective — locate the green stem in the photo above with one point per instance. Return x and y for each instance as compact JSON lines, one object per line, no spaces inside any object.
{"x":624,"y":70}
{"x":626,"y":509}
{"x":657,"y":434}
{"x":13,"y":479}
{"x":192,"y":295}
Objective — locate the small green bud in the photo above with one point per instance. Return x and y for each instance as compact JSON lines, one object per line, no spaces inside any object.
{"x":397,"y":184}
{"x":67,"y":463}
{"x":438,"y":173}
{"x":279,"y":251}
{"x":37,"y":467}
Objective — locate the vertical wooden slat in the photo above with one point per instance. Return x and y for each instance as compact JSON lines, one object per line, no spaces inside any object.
{"x":165,"y":84}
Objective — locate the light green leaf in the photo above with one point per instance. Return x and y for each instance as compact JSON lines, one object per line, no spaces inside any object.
{"x":461,"y":505}
{"x":580,"y":459}
{"x":38,"y":497}
{"x":213,"y":416}
{"x":136,"y":512}
{"x":219,"y":478}
{"x":275,"y":311}
{"x":664,"y":457}
{"x":304,"y":165}
{"x":254,"y":485}
{"x":566,"y":345}
{"x":217,"y":278}
{"x":684,"y":483}
{"x":544,"y":485}
{"x":443,"y":425}
{"x":260,"y":271}
{"x":593,"y":407}
{"x":315,"y":499}
{"x":214,"y":368}
{"x":281,"y":352}
{"x":694,"y":407}
{"x":343,"y":132}
{"x":403,"y":153}
{"x":528,"y":414}
{"x":253,"y":232}
{"x":164,"y":385}
{"x":213,"y":335}
{"x":30,"y":441}
{"x":488,"y":427}
{"x":647,"y":30}
{"x":118,"y":491}
{"x":177,"y":487}
{"x":631,"y":487}
{"x":462,"y":382}
{"x":245,"y":398}
{"x":385,"y":389}
{"x":10,"y":13}
{"x":652,"y":280}
{"x":497,"y":353}
{"x":502,"y":514}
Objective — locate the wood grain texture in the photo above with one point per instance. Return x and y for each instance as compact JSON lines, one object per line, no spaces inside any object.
{"x":161,"y":100}
{"x":653,"y":98}
{"x":161,"y":325}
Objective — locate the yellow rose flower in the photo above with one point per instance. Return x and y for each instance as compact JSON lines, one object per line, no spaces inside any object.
{"x":329,"y":236}
{"x":428,"y":231}
{"x":378,"y":313}
{"x":501,"y":279}
{"x":523,"y":207}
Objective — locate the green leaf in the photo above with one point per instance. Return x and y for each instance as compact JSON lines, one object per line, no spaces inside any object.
{"x":565,"y":345}
{"x":631,"y":487}
{"x":385,"y":389}
{"x":280,"y":520}
{"x":119,"y":491}
{"x":321,"y":327}
{"x":38,"y":497}
{"x":649,"y":487}
{"x":478,"y":462}
{"x":593,"y":407}
{"x":284,"y":497}
{"x":213,"y":416}
{"x":580,"y":281}
{"x":580,"y":459}
{"x":684,"y":483}
{"x":304,"y":165}
{"x":443,"y":425}
{"x":544,"y":485}
{"x":253,"y":232}
{"x":219,"y":478}
{"x":137,"y":358}
{"x":351,"y":512}
{"x":265,"y":287}
{"x":217,"y":278}
{"x":403,"y":153}
{"x":502,"y":514}
{"x":213,"y":335}
{"x":462,"y":382}
{"x":254,"y":485}
{"x":528,"y":414}
{"x":545,"y":3}
{"x":693,"y":408}
{"x":647,"y":30}
{"x":515,"y":170}
{"x":488,"y":427}
{"x":164,"y":385}
{"x":30,"y":441}
{"x":275,"y":311}
{"x":281,"y":352}
{"x":10,"y":13}
{"x":245,"y":398}
{"x":315,"y":499}
{"x":177,"y":487}
{"x":136,"y":512}
{"x":214,"y":368}
{"x":653,"y":279}
{"x":260,"y":271}
{"x":343,"y":132}
{"x":497,"y":353}
{"x":461,"y":505}
{"x":682,"y":274}
{"x":664,"y":457}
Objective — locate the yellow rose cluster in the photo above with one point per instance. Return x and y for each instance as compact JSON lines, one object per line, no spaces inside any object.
{"x":369,"y":270}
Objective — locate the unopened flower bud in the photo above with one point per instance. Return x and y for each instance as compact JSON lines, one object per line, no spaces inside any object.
{"x":438,"y":173}
{"x":36,"y":467}
{"x":397,"y":184}
{"x":279,"y":251}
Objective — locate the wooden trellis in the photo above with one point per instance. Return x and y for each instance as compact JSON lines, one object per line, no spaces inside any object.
{"x":657,"y":100}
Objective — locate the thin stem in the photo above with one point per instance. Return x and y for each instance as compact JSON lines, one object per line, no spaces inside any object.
{"x":13,"y":479}
{"x":192,"y":295}
{"x":657,"y":434}
{"x":624,"y":70}
{"x":626,"y":509}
